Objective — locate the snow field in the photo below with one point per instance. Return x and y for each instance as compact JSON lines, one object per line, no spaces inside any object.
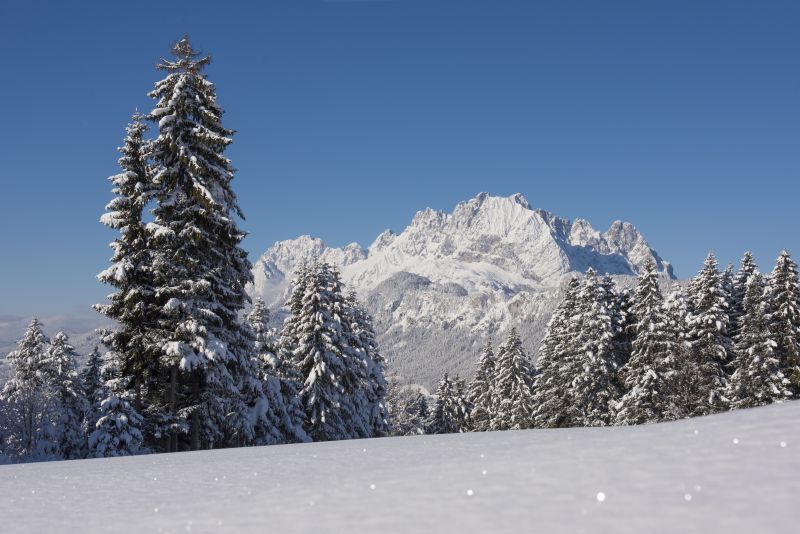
{"x":734,"y":472}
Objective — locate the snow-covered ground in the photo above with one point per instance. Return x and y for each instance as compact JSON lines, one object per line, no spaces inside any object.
{"x":736,"y":472}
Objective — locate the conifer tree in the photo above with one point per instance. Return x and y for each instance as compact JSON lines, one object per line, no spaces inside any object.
{"x":91,"y":376}
{"x":119,"y":427}
{"x":514,"y":386}
{"x":365,"y":347}
{"x":199,"y":267}
{"x":117,"y":431}
{"x":449,"y":412}
{"x":758,"y":378}
{"x":93,"y":388}
{"x":555,"y":366}
{"x":29,"y":409}
{"x":710,"y":345}
{"x":407,"y":409}
{"x":747,"y":268}
{"x":287,"y":365}
{"x":465,"y":407}
{"x":332,"y":393}
{"x":282,"y":416}
{"x":654,"y":351}
{"x":680,"y":378}
{"x":783,"y":295}
{"x":289,"y":337}
{"x":727,"y":281}
{"x":132,"y":305}
{"x":481,"y":390}
{"x":70,"y":405}
{"x":594,"y":389}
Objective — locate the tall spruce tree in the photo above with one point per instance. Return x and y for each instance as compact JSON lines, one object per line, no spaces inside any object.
{"x":365,"y":347}
{"x":514,"y":386}
{"x":594,"y":389}
{"x":747,"y":268}
{"x":134,"y":344}
{"x":555,"y":365}
{"x":282,"y":414}
{"x":449,"y":414}
{"x":93,"y":388}
{"x":783,"y":295}
{"x":654,"y":351}
{"x":758,"y":378}
{"x":289,"y":336}
{"x":70,"y":405}
{"x":680,"y":378}
{"x":200,"y":269}
{"x":481,"y":390}
{"x":29,"y":408}
{"x":711,"y":346}
{"x":332,"y":393}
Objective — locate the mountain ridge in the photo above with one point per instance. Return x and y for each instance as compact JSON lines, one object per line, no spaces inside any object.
{"x":449,"y":280}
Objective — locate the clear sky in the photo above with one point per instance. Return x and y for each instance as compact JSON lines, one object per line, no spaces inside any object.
{"x":682,"y":117}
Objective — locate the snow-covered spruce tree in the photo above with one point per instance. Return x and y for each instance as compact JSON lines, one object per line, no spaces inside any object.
{"x":460,"y":385}
{"x":481,"y":390}
{"x":118,"y":430}
{"x":726,"y":280}
{"x":710,"y":344}
{"x":94,"y":389}
{"x":555,"y":364}
{"x":29,"y":409}
{"x":365,"y":347}
{"x":747,"y":268}
{"x":289,"y":338}
{"x":287,"y":364}
{"x":655,"y":348}
{"x":594,"y":390}
{"x":514,"y":386}
{"x":332,"y":393}
{"x":758,"y":378}
{"x":449,"y":414}
{"x":282,"y":415}
{"x":407,"y":409}
{"x":679,"y":377}
{"x":199,"y":268}
{"x":91,"y":376}
{"x":783,"y":295}
{"x":66,"y":390}
{"x":135,"y":343}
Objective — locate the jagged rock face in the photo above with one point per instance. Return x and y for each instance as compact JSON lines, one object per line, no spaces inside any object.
{"x":447,"y":280}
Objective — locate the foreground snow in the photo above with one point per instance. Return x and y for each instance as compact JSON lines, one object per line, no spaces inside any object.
{"x":736,"y":472}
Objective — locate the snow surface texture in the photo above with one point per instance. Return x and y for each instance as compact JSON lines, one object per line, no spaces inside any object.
{"x":728,"y":473}
{"x":448,"y":280}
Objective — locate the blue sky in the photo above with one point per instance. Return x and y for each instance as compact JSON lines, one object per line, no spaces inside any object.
{"x":682,"y":117}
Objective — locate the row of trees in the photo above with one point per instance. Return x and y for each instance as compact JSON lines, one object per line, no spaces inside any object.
{"x":321,"y":378}
{"x":611,"y":357}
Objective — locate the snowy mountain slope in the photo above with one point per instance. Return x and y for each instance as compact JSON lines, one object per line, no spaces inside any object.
{"x":732,"y":473}
{"x":450,"y":278}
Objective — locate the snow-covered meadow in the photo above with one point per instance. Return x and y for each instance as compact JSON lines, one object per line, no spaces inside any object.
{"x":727,"y":473}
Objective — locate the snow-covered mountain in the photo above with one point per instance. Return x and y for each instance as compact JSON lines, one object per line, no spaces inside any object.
{"x":449,"y":279}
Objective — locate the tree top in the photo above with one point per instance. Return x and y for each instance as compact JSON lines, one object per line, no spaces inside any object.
{"x":187,"y":59}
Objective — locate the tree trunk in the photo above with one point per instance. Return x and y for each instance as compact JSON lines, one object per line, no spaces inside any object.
{"x":173,"y":408}
{"x":196,"y":412}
